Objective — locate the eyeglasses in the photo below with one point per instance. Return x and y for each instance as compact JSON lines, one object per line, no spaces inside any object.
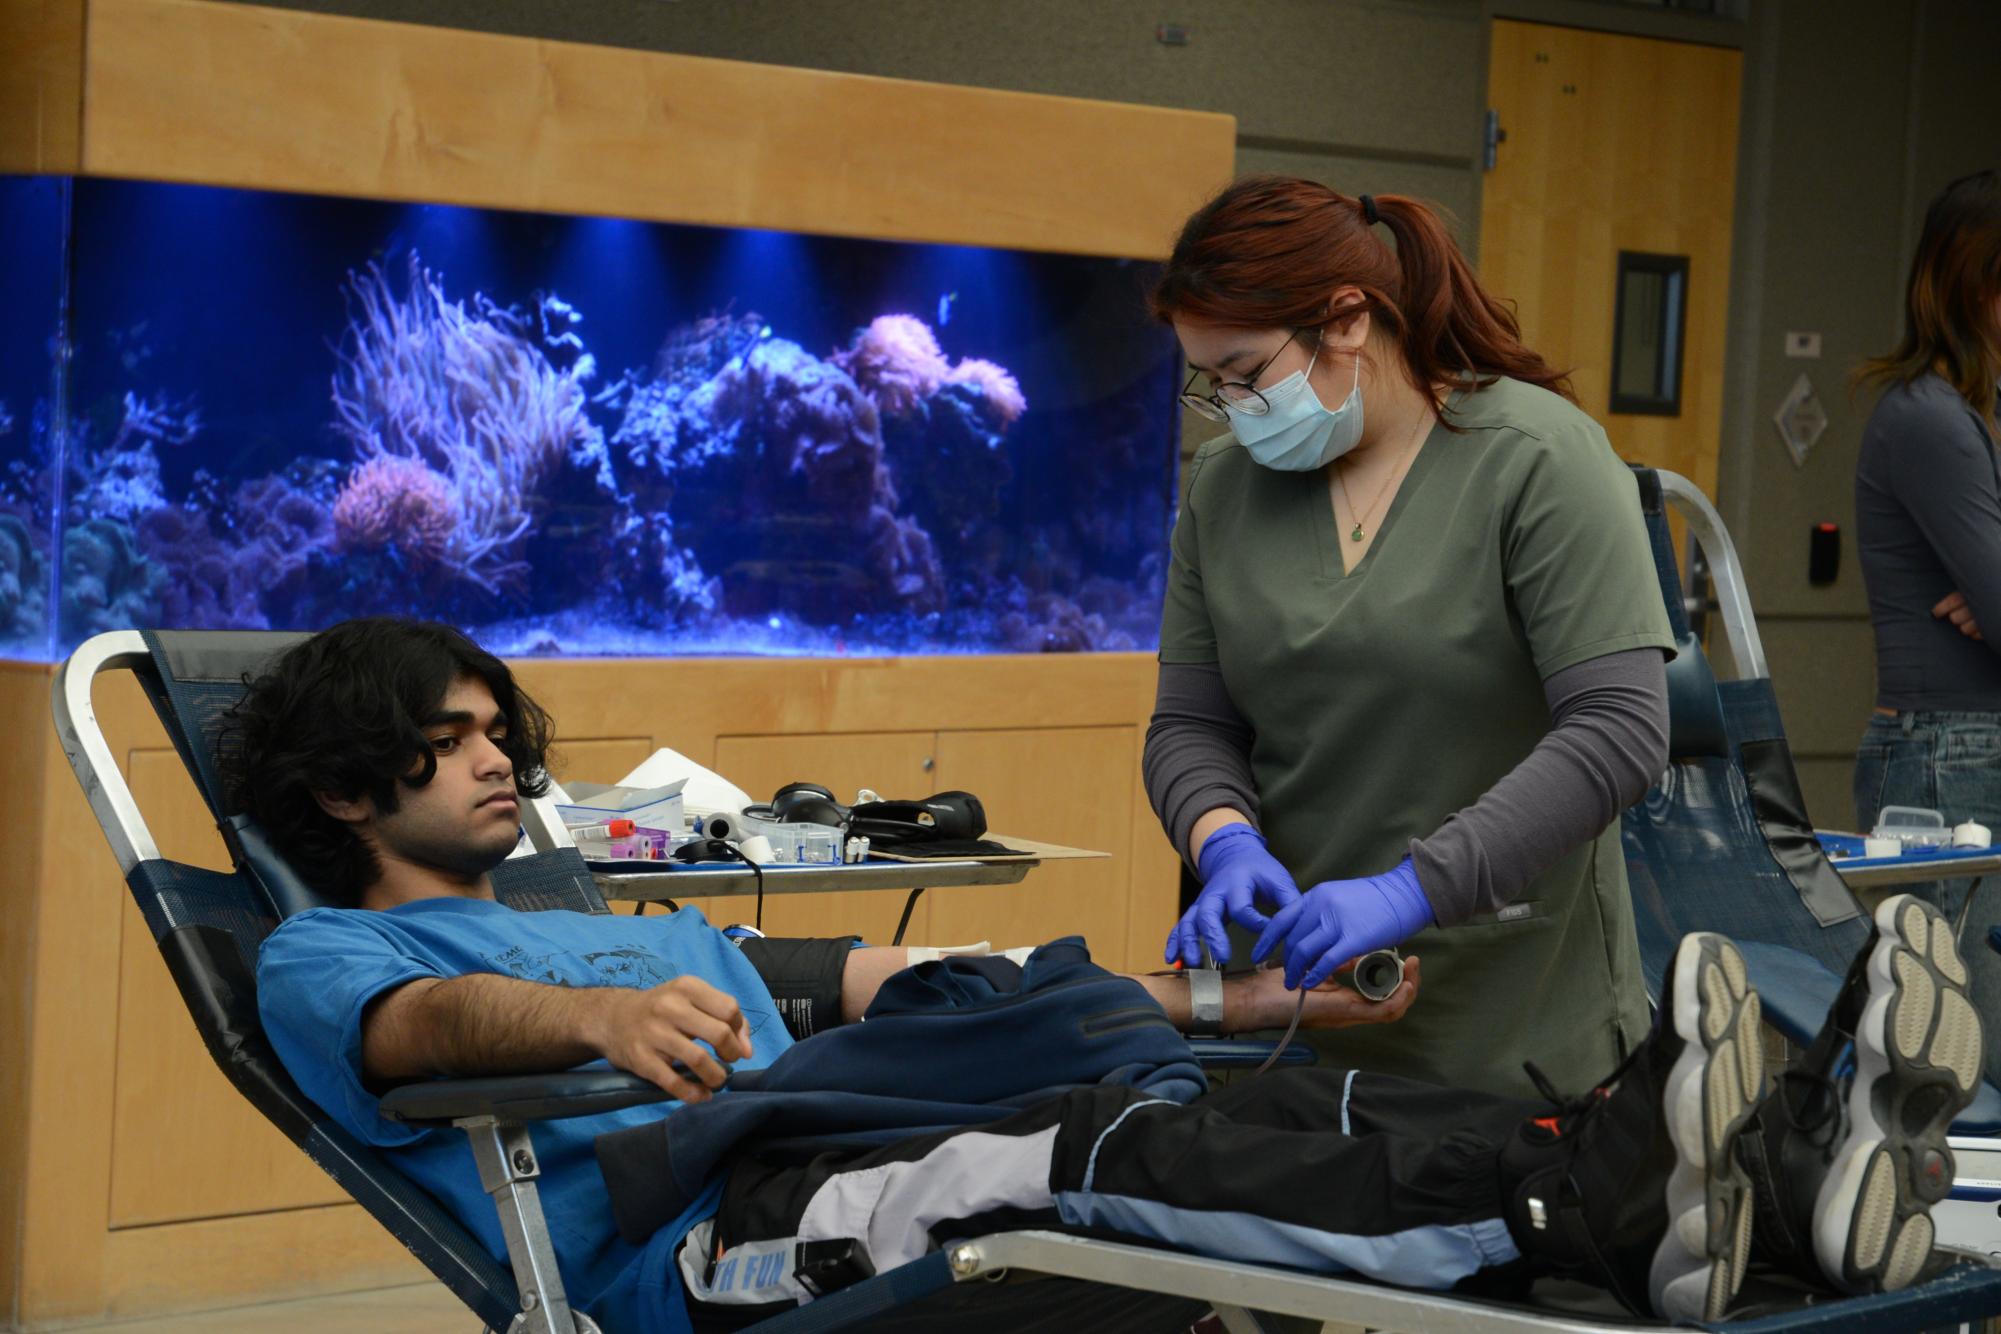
{"x":1237,"y":394}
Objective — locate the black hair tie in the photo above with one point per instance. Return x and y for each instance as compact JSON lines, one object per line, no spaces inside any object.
{"x":1369,"y":210}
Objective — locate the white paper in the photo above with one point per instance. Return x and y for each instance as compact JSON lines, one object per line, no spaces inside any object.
{"x":706,"y":792}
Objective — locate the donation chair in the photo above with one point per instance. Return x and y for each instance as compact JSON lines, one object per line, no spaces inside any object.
{"x":209,"y":924}
{"x":1722,"y":842}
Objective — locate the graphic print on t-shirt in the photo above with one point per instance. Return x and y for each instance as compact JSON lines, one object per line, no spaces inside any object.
{"x":624,"y":966}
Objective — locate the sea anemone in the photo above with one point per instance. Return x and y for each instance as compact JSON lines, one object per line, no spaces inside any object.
{"x":470,"y":397}
{"x":396,"y":502}
{"x":1000,"y":390}
{"x":897,"y":362}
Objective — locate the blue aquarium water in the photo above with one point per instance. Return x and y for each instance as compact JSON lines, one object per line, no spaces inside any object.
{"x":225,"y":408}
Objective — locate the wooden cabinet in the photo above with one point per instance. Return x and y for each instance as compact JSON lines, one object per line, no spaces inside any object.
{"x":1061,"y":785}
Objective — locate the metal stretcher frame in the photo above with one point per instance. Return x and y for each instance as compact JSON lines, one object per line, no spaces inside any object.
{"x":1977,"y":1179}
{"x":495,"y":1113}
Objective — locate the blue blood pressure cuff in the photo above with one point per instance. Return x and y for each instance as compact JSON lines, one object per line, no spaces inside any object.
{"x":803,"y":977}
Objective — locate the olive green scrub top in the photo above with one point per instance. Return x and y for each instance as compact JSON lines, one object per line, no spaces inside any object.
{"x":1385,"y":698}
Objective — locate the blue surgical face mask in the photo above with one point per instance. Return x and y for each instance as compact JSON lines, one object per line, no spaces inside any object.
{"x":1299,"y":434}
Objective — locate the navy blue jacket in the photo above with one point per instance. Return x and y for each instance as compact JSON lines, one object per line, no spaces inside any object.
{"x":953,"y":1042}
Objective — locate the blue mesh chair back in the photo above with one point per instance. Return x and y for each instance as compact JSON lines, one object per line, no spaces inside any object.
{"x":1721,"y":842}
{"x":210,"y":924}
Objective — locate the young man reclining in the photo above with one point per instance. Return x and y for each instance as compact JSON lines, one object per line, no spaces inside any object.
{"x":387,"y":760}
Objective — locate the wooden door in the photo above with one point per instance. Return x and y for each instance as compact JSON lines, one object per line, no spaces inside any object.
{"x":1614,"y":144}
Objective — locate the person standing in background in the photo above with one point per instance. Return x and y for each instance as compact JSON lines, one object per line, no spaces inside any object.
{"x":1928,"y":527}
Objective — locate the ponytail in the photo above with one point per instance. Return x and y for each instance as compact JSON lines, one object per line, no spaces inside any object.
{"x":1447,"y":323}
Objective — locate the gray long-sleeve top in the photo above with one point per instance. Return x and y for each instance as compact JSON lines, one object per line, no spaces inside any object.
{"x":1607,"y":742}
{"x":1927,"y":524}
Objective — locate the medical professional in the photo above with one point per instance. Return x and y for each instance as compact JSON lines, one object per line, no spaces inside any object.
{"x":1928,"y":527}
{"x":1412,"y":653}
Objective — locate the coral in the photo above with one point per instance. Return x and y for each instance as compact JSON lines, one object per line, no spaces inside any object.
{"x":107,"y":584}
{"x":396,"y":502}
{"x":205,"y":583}
{"x":282,"y":520}
{"x":1051,"y":623}
{"x":660,"y":433}
{"x":999,"y":390}
{"x":473,"y":397}
{"x":122,"y":480}
{"x":896,"y":361}
{"x":24,"y":582}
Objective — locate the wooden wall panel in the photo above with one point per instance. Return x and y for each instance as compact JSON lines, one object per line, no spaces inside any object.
{"x":41,"y":86}
{"x":24,"y":705}
{"x":177,"y":1118}
{"x":72,"y":1031}
{"x":261,"y":1257}
{"x":598,"y":759}
{"x":234,"y":94}
{"x":1061,"y":785}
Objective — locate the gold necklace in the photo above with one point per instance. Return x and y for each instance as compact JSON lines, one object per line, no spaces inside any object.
{"x":1356,"y":533}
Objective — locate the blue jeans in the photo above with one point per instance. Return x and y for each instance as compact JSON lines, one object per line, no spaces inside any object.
{"x":1950,"y":762}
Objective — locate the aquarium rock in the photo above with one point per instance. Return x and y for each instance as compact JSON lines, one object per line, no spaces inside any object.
{"x":107,"y":582}
{"x":24,"y":582}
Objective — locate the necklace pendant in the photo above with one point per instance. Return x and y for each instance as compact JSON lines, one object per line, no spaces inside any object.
{"x":1355,"y":534}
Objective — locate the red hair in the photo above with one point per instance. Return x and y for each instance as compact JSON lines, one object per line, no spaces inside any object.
{"x":1268,"y":251}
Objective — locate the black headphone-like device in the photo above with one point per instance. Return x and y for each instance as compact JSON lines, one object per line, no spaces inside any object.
{"x":936,"y":818}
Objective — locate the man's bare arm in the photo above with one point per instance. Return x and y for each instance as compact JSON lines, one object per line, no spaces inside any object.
{"x":485,"y":1024}
{"x":1249,"y":1003}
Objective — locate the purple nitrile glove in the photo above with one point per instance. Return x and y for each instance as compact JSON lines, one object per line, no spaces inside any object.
{"x":1339,"y":920}
{"x":1236,"y":871}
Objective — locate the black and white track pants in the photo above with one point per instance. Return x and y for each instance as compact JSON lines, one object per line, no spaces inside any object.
{"x":1325,"y":1170}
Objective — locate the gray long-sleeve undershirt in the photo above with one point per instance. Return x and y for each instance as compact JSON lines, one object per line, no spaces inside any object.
{"x":1606,"y":744}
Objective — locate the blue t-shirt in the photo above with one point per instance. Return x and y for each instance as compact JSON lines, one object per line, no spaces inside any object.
{"x":318,"y":971}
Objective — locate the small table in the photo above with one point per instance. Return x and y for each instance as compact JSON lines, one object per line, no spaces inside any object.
{"x":1882,"y":872}
{"x":729,"y":879}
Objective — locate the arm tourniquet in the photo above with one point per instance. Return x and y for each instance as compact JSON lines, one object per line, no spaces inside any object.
{"x":1608,"y":742}
{"x":804,"y":978}
{"x":1198,"y":751}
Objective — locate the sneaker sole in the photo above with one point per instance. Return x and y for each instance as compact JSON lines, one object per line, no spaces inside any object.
{"x":1917,"y":1064}
{"x":1709,"y":1097}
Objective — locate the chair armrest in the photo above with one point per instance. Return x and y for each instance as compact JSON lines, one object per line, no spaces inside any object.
{"x":1247,"y":1053}
{"x":549,"y":1097}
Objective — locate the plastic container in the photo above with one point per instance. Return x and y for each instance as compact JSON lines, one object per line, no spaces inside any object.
{"x":796,"y":842}
{"x":1916,"y":828}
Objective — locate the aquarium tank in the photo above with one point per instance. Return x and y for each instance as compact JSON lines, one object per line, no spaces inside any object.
{"x":568,"y":435}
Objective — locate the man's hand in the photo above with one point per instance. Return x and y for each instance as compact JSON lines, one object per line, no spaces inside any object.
{"x":1261,"y":1000}
{"x":654,"y":1034}
{"x":1953,"y":607}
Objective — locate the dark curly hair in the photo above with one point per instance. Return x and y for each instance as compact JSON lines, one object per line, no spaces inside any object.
{"x":341,"y":714}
